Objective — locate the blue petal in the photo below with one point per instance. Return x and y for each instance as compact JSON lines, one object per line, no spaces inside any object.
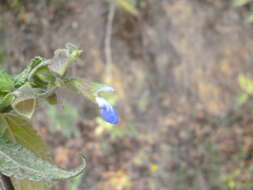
{"x":109,"y":115}
{"x":105,"y":89}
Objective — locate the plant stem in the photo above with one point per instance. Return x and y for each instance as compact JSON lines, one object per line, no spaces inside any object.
{"x":108,"y":38}
{"x":5,"y":183}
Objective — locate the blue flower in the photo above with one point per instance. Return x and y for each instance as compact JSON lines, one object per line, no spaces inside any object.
{"x":108,"y":113}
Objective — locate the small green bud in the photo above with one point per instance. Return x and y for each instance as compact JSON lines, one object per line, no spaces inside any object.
{"x":52,"y":99}
{"x":75,"y":54}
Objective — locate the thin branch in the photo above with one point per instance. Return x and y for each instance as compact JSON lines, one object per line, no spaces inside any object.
{"x":108,"y":36}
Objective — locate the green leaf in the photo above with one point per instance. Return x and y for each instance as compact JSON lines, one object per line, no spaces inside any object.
{"x":21,"y":163}
{"x":6,"y":101}
{"x":36,"y":61}
{"x":63,"y":58}
{"x":27,"y":73}
{"x":45,"y":75}
{"x":19,"y":130}
{"x":245,"y":84}
{"x":42,"y":71}
{"x":40,"y":75}
{"x":21,"y":78}
{"x":6,"y":82}
{"x":25,"y":102}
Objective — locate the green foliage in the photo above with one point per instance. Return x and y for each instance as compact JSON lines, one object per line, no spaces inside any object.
{"x":6,"y":101}
{"x":6,"y":82}
{"x":21,"y":163}
{"x":33,"y":74}
{"x":63,"y":58}
{"x":23,"y":154}
{"x":20,"y":131}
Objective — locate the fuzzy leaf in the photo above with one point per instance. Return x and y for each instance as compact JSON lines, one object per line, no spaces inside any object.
{"x":21,"y":163}
{"x":21,"y":78}
{"x":35,"y":64}
{"x":19,"y":130}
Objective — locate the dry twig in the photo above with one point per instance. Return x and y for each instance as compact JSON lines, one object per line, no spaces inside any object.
{"x":108,"y":37}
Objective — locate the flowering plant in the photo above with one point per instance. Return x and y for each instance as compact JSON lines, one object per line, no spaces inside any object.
{"x":23,"y":154}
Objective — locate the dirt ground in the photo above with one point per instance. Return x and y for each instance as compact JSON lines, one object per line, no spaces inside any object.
{"x":175,"y":68}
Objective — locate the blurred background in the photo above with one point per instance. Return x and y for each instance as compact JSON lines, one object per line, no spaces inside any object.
{"x":183,"y":74}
